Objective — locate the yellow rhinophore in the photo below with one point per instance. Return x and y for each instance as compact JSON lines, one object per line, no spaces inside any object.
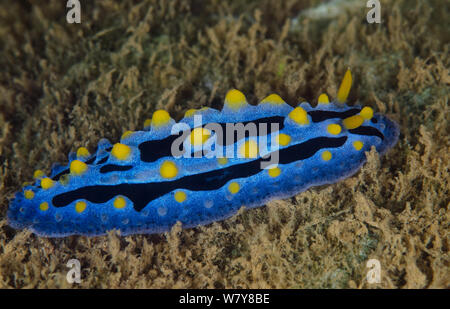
{"x":121,"y":151}
{"x":344,"y":89}
{"x":299,"y":115}
{"x":160,"y":118}
{"x":78,"y":167}
{"x":168,"y":169}
{"x":234,"y":187}
{"x":82,"y":152}
{"x":323,"y":99}
{"x":353,"y":122}
{"x":366,"y":113}
{"x":46,"y":183}
{"x":180,"y":196}
{"x":235,"y":99}
{"x":273,"y":99}
{"x":199,"y":136}
{"x":249,"y":149}
{"x":334,"y":129}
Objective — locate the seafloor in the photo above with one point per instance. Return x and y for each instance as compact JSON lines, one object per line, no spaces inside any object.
{"x":67,"y":85}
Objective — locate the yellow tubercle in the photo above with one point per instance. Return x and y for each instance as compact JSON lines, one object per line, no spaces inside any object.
{"x":46,"y":183}
{"x":358,"y":145}
{"x":38,"y":174}
{"x":222,"y":161}
{"x":273,"y":99}
{"x":274,"y":172}
{"x":249,"y":149}
{"x":121,"y":151}
{"x":199,"y":136}
{"x":180,"y":196}
{"x":78,"y":167}
{"x":235,"y":99}
{"x":234,"y":187}
{"x":147,"y":122}
{"x":326,"y":155}
{"x":43,"y":206}
{"x":64,"y":179}
{"x":190,"y":112}
{"x":323,"y":99}
{"x":168,"y":169}
{"x":120,"y":202}
{"x":29,"y":194}
{"x":126,"y":134}
{"x":334,"y":129}
{"x":82,"y":152}
{"x":353,"y":122}
{"x":344,"y":89}
{"x":366,"y":113}
{"x":160,"y":118}
{"x":283,"y":139}
{"x":80,"y":206}
{"x":299,"y":115}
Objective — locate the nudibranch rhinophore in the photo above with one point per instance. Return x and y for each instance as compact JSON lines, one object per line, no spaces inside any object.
{"x":203,"y":168}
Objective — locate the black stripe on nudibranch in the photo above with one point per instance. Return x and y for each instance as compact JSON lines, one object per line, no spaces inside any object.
{"x":143,"y":193}
{"x":318,"y":115}
{"x":103,"y":160}
{"x":91,"y":160}
{"x":59,"y":175}
{"x":269,"y":121}
{"x":156,"y":149}
{"x":370,"y":131}
{"x":67,"y":171}
{"x":115,"y":168}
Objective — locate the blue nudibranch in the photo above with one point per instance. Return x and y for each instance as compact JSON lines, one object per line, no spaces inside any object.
{"x":140,"y":186}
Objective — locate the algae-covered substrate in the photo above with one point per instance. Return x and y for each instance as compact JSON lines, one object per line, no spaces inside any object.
{"x":64,"y":85}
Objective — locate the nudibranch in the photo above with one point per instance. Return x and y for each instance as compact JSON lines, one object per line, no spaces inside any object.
{"x":203,"y":168}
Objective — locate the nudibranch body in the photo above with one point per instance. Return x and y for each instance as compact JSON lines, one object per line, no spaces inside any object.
{"x":203,"y":168}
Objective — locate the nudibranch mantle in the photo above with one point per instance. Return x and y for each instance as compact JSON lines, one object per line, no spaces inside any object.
{"x":139,"y":186}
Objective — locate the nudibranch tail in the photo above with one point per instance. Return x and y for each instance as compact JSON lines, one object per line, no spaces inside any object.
{"x":203,"y":168}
